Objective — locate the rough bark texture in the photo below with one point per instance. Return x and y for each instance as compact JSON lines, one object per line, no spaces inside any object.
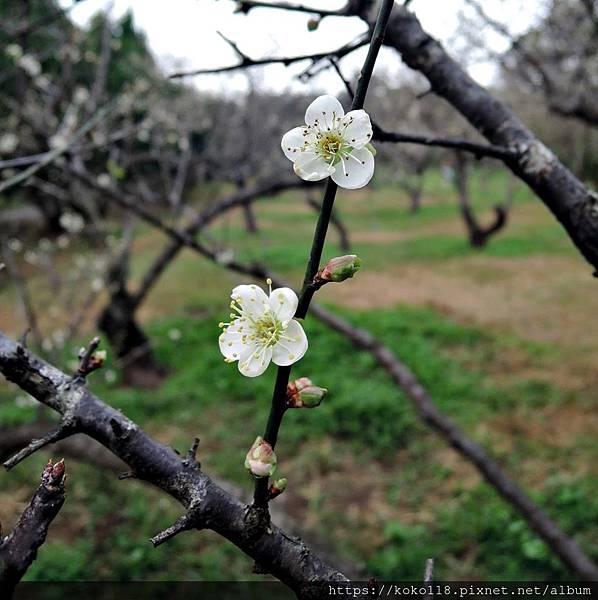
{"x":208,"y":505}
{"x":19,"y":549}
{"x":574,"y":205}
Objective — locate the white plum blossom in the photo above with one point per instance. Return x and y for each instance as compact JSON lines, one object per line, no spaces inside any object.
{"x":262,"y":329}
{"x":8,"y":143}
{"x":332,"y":143}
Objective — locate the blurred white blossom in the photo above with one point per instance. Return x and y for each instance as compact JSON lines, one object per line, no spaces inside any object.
{"x":8,"y":143}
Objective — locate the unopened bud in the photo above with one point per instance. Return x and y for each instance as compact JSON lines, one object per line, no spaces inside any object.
{"x":53,"y":474}
{"x":97,"y":359}
{"x":261,"y":460}
{"x":339,"y":268}
{"x":302,"y":393}
{"x":277,"y":488}
{"x":313,"y":24}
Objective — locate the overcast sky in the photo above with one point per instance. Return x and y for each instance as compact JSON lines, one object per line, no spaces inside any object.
{"x":182,"y":34}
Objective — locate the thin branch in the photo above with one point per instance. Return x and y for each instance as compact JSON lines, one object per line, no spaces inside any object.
{"x":59,"y":151}
{"x":247,"y":62}
{"x":278,"y":406}
{"x":381,"y":135}
{"x":245,"y":6}
{"x":51,"y":437}
{"x":478,"y":150}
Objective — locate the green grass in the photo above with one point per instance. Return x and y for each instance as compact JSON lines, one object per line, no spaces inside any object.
{"x":365,"y":427}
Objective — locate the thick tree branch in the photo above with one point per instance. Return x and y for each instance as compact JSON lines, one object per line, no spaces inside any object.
{"x":19,"y":549}
{"x":208,"y":504}
{"x":573,"y":204}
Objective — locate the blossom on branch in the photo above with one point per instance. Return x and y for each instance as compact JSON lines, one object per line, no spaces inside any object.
{"x":262,"y":329}
{"x":332,"y":143}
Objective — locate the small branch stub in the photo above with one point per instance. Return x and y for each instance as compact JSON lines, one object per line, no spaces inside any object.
{"x":54,"y":475}
{"x":261,"y":459}
{"x":302,"y":393}
{"x":90,"y":359}
{"x":338,"y":269}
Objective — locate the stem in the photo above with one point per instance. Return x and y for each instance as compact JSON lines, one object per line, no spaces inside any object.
{"x":278,"y":407}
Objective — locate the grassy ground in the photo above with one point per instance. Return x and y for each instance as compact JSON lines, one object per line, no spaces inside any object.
{"x":504,"y":338}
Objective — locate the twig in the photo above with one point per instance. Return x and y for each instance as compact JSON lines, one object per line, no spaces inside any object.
{"x":246,"y":61}
{"x":59,"y":151}
{"x":245,"y":6}
{"x":278,"y":405}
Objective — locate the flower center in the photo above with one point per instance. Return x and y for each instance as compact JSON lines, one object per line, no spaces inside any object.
{"x":267,"y":329}
{"x":331,"y":146}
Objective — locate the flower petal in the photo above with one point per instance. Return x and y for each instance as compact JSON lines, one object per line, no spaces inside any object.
{"x":255,"y":361}
{"x":323,"y":112}
{"x":289,"y":351}
{"x":356,"y":169}
{"x":230,"y":341}
{"x":358,"y":130}
{"x":283,"y":302}
{"x":251,"y":298}
{"x":293,"y":141}
{"x":312,"y":167}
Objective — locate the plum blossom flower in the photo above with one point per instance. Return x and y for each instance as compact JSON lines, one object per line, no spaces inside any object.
{"x":262,"y":329}
{"x":332,"y":143}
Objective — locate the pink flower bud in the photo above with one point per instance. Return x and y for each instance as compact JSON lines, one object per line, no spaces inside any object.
{"x":339,"y":268}
{"x":302,"y":393}
{"x":261,"y":460}
{"x":277,"y":488}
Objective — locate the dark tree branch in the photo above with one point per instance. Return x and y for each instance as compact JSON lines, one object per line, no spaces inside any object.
{"x":247,"y":62}
{"x":279,"y":395}
{"x":379,"y":134}
{"x":19,"y":549}
{"x":245,"y":6}
{"x":572,"y":203}
{"x":478,"y":150}
{"x":560,"y":543}
{"x":286,"y":558}
{"x":201,"y":220}
{"x":52,"y":436}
